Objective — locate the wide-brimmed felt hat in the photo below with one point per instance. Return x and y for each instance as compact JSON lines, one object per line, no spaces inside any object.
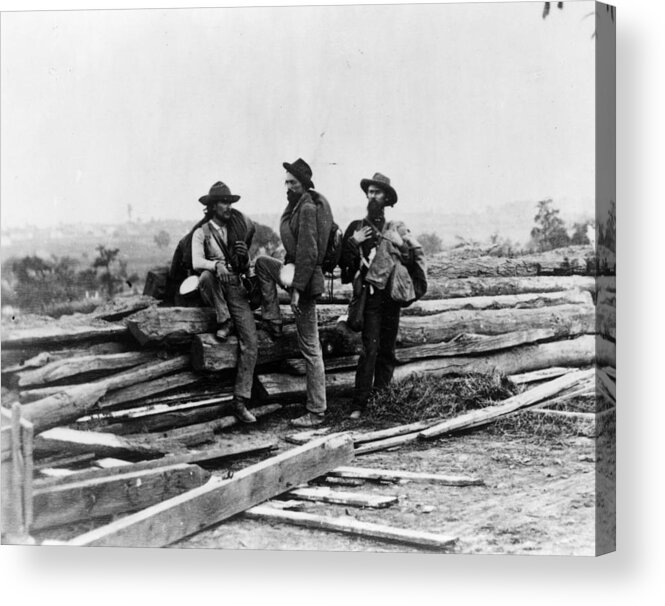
{"x":301,"y":171}
{"x":219,"y":192}
{"x":382,"y":182}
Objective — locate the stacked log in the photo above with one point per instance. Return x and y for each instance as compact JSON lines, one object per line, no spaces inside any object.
{"x":156,"y":382}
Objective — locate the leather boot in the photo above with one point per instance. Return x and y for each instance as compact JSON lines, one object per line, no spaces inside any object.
{"x":240,"y":411}
{"x":223,"y":331}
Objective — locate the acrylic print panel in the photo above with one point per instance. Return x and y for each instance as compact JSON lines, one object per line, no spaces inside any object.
{"x":466,"y":151}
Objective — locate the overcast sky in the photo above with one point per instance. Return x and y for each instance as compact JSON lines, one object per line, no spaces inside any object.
{"x":462,"y":106}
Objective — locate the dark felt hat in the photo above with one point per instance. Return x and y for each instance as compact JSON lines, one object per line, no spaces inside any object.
{"x":301,"y":171}
{"x":219,"y":192}
{"x":382,"y":182}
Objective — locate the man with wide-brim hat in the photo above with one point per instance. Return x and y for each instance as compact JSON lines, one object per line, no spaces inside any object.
{"x":305,"y":227}
{"x":374,"y":251}
{"x":220,"y":254}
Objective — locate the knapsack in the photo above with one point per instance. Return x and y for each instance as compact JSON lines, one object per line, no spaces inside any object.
{"x":333,"y":249}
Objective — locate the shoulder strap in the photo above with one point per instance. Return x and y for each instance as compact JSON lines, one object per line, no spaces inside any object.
{"x":222,"y":245}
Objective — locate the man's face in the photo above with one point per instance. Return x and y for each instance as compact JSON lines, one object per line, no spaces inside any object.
{"x":292,"y":184}
{"x":223,"y":211}
{"x":376,"y":200}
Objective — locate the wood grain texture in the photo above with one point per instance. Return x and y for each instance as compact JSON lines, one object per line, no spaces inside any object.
{"x":217,"y":500}
{"x":111,"y":495}
{"x":354,"y":527}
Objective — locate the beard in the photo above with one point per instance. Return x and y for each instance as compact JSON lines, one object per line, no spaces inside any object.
{"x":292,"y":196}
{"x":375,"y":210}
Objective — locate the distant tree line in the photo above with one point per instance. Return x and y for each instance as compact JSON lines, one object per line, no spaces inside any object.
{"x":34,"y":283}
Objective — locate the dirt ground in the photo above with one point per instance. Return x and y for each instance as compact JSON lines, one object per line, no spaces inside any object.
{"x":539,"y":497}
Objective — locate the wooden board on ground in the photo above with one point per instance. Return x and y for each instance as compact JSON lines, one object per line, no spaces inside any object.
{"x":354,"y":527}
{"x":539,"y":375}
{"x":525,"y":399}
{"x":111,"y":495}
{"x":218,"y":499}
{"x":323,"y":494}
{"x":395,"y":475}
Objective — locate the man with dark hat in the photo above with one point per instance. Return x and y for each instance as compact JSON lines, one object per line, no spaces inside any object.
{"x":305,"y":226}
{"x":220,"y":251}
{"x":372,"y":251}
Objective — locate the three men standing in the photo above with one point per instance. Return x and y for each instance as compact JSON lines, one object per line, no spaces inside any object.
{"x":220,"y":251}
{"x":304,"y":228}
{"x":372,"y":248}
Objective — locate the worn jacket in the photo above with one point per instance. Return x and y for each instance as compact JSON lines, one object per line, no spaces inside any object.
{"x":305,"y":229}
{"x":205,"y":251}
{"x":390,"y":243}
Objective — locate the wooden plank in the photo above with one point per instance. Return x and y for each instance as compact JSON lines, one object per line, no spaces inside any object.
{"x":468,"y":344}
{"x":378,"y":445}
{"x":608,"y":384}
{"x":391,"y":432}
{"x":63,"y":407}
{"x":31,"y":358}
{"x":181,"y":516}
{"x":172,"y":325}
{"x":61,"y":331}
{"x":539,"y":375}
{"x":60,"y":461}
{"x":116,"y":494}
{"x":208,"y":354}
{"x":332,"y":312}
{"x":578,"y":259}
{"x":170,"y":420}
{"x":302,"y":437}
{"x":566,"y":319}
{"x":64,"y":439}
{"x":298,"y":366}
{"x":27,"y":441}
{"x":611,"y":372}
{"x":139,"y":374}
{"x":111,"y":462}
{"x":324,"y":494}
{"x":217,"y":424}
{"x":146,"y":389}
{"x":395,"y":475}
{"x":144,"y":411}
{"x":570,"y":352}
{"x":337,"y":340}
{"x":525,"y":399}
{"x":354,"y":527}
{"x":77,"y":365}
{"x":224,"y":448}
{"x":121,"y":307}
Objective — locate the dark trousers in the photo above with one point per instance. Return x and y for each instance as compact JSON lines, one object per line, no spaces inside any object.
{"x":377,"y":361}
{"x":230,"y":303}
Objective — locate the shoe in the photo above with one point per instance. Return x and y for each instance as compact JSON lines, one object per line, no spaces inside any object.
{"x":356,"y":414}
{"x":242,"y":414}
{"x":223,"y":331}
{"x":309,"y":419}
{"x":273,"y":329}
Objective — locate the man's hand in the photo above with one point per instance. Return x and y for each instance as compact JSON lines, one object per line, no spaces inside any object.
{"x":241,"y":249}
{"x":221,"y":271}
{"x":362,"y":234}
{"x":295,"y":300}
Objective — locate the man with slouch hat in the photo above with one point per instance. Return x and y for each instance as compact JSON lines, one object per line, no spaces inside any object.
{"x":373,"y":253}
{"x":305,"y":227}
{"x":220,"y":252}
